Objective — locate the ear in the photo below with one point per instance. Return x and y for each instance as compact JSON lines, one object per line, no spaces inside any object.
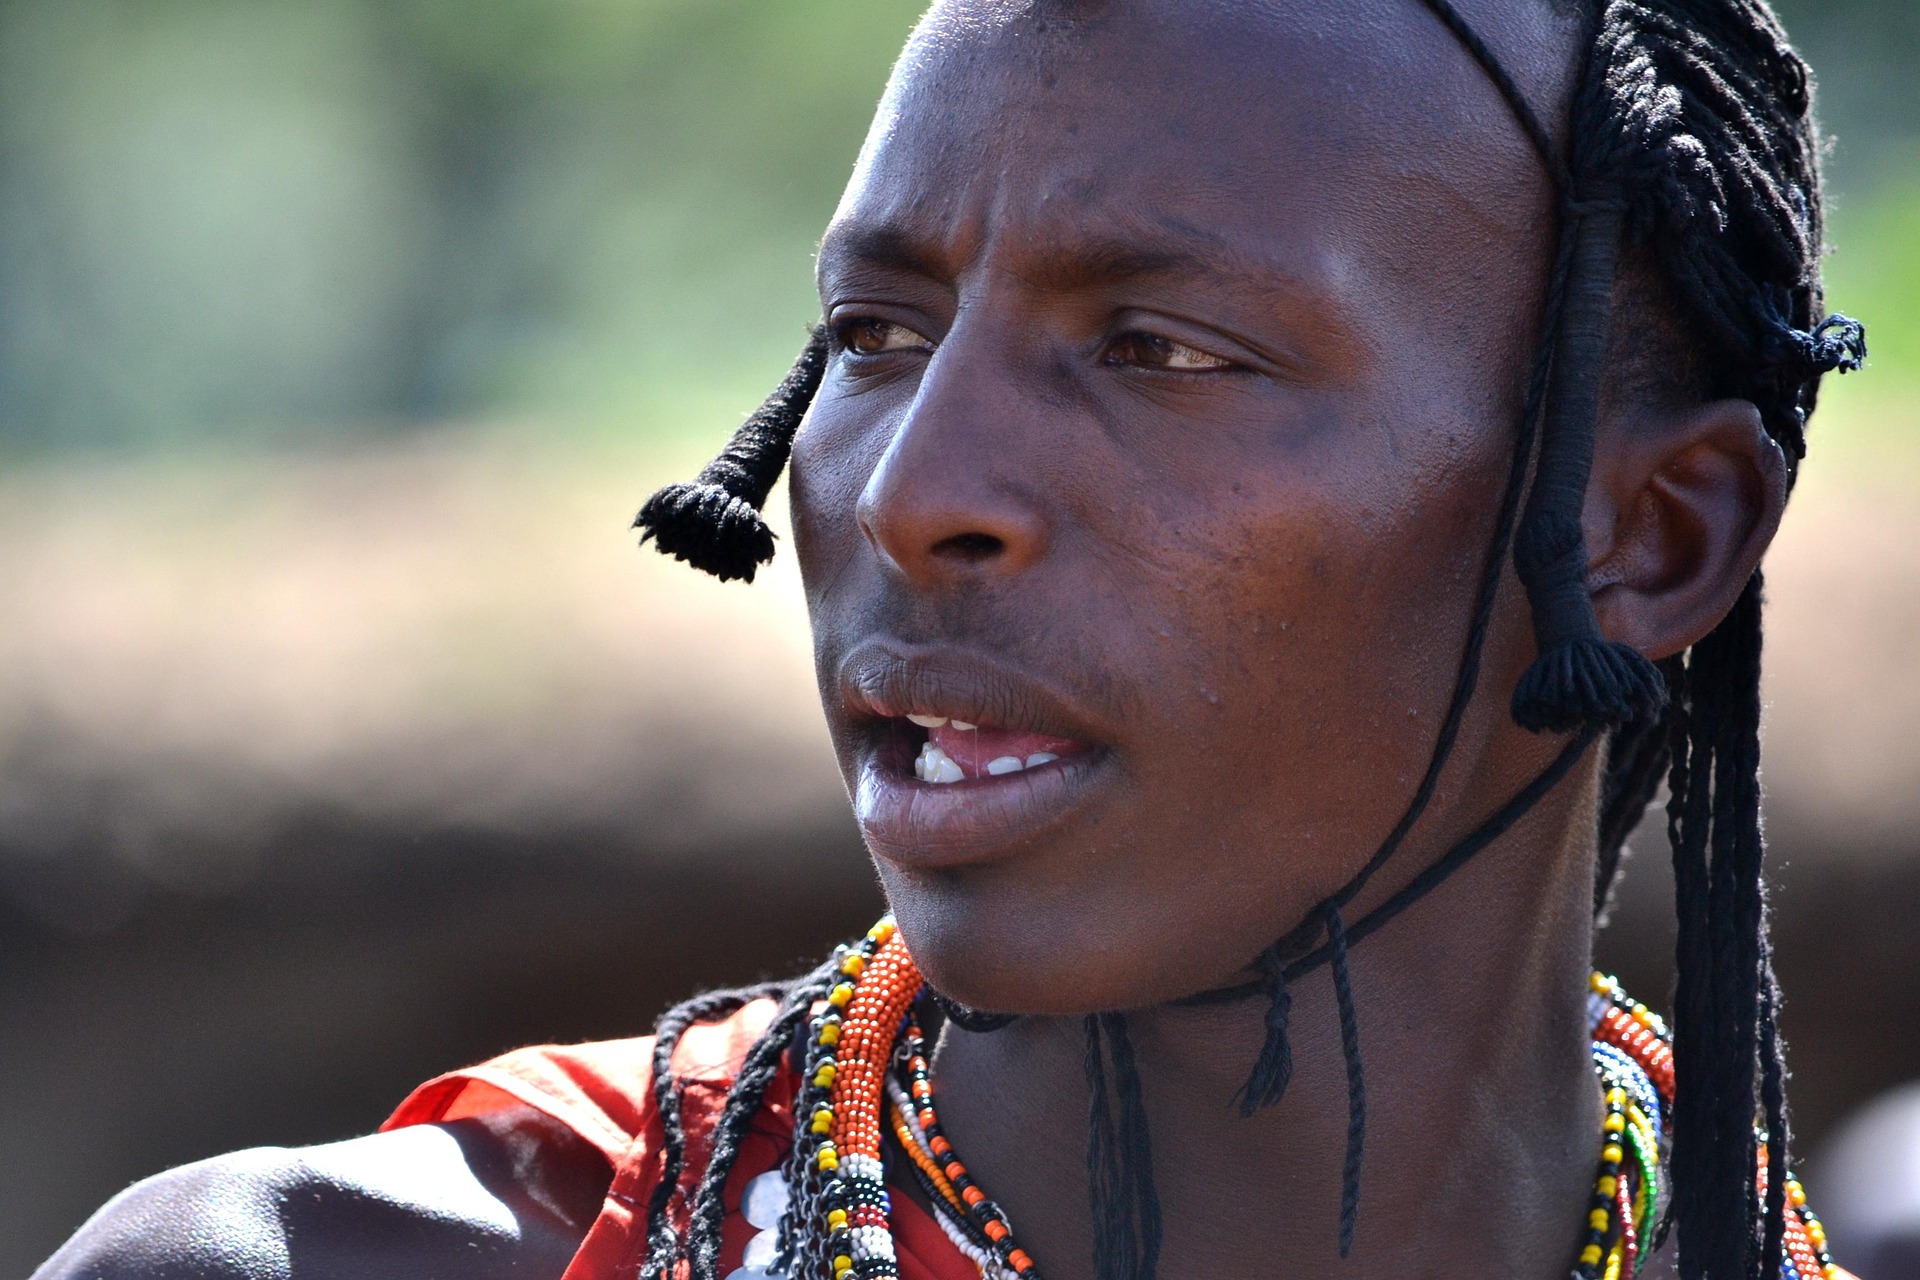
{"x":1682,"y":506}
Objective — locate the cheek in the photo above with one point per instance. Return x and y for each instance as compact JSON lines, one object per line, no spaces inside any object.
{"x":1327,"y":638}
{"x":834,"y":453}
{"x":1309,"y":613}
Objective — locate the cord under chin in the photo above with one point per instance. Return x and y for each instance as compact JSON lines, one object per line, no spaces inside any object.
{"x":968,"y":1018}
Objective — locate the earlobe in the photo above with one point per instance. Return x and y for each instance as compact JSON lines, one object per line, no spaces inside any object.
{"x":1683,"y":506}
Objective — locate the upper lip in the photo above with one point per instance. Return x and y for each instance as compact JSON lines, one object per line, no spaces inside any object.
{"x":887,"y":680}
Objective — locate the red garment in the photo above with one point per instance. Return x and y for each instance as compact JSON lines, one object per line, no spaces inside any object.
{"x":604,"y":1093}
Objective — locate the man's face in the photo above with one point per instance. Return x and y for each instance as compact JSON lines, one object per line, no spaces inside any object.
{"x":1179,"y":355}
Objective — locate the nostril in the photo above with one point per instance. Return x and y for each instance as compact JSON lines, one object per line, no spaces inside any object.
{"x":969,"y":547}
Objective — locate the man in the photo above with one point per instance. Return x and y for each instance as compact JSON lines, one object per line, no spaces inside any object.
{"x":1162,"y":435}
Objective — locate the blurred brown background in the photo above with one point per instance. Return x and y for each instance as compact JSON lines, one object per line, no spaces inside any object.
{"x":344,"y":737}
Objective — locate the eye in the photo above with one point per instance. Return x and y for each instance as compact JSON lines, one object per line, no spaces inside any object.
{"x":871,"y":336}
{"x":1152,"y":351}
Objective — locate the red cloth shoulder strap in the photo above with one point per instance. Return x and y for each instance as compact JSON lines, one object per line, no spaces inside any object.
{"x":604,"y":1093}
{"x":601,"y":1091}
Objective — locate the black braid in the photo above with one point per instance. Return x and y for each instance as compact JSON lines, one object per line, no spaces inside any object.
{"x":1356,"y":1081}
{"x":1637,"y":757}
{"x":757,"y":1072}
{"x":1693,"y":953}
{"x":1773,"y":1105}
{"x":666,"y":1248}
{"x":1720,"y":103}
{"x":663,"y":1242}
{"x":1125,"y":1204}
{"x":1109,"y":1209}
{"x":1734,"y":919}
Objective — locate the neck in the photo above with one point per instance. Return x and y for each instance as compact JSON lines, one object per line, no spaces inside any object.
{"x":1482,"y":1121}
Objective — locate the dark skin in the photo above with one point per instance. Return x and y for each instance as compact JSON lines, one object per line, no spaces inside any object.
{"x":510,"y":1194}
{"x":1178,"y":350}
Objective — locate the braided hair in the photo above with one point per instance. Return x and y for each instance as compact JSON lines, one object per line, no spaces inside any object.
{"x":1690,"y":151}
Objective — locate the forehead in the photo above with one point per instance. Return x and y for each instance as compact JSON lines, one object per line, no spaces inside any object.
{"x":1324,"y":136}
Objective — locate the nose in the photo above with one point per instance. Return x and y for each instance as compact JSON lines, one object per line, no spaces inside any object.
{"x":955,"y":496}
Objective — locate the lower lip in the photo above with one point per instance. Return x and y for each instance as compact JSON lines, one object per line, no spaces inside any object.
{"x":925,"y":825}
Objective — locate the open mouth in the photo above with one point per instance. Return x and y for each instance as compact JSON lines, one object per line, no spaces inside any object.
{"x":964,"y":761}
{"x":953,"y":751}
{"x":941,"y":792}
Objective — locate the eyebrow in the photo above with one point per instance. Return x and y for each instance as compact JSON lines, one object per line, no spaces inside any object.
{"x":1163,"y":249}
{"x":868,"y":244}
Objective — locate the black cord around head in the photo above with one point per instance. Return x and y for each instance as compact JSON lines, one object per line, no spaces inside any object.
{"x":1727,"y":723}
{"x":1272,"y":1071}
{"x":1466,"y":680}
{"x":1461,"y":854}
{"x":1517,"y":102}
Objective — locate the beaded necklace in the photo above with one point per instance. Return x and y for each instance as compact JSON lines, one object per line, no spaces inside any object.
{"x":865,"y":1076}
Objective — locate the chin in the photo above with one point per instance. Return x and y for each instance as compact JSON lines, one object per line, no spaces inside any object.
{"x":1000,"y":949}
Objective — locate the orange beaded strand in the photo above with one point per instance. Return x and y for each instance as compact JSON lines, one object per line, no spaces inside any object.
{"x":886,"y":989}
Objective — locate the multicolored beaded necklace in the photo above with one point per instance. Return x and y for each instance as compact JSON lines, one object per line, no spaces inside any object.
{"x":866,"y":1076}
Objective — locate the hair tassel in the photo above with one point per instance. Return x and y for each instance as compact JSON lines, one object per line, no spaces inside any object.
{"x":713,"y":522}
{"x":1587,"y":682}
{"x":1580,"y":679}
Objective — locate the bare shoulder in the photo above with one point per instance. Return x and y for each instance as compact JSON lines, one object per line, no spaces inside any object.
{"x":509,"y":1195}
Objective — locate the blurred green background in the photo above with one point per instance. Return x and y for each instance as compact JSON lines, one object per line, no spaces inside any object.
{"x":229,"y":225}
{"x":282,"y":223}
{"x":344,"y":737}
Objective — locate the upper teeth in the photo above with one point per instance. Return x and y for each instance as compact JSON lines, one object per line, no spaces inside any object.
{"x":938,"y":722}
